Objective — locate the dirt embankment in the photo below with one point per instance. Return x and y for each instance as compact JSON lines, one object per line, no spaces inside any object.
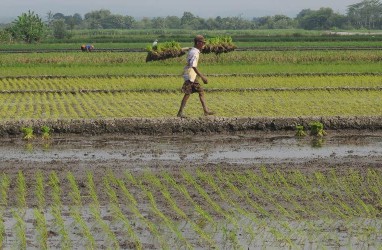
{"x":168,"y":126}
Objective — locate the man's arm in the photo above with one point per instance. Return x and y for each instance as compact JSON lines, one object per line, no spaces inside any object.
{"x":204,"y":79}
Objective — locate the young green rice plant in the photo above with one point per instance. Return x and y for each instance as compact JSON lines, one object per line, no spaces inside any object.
{"x":110,"y":236}
{"x":40,"y":191}
{"x":96,"y":213}
{"x":258,"y":208}
{"x":153,"y":228}
{"x":21,"y":191}
{"x":218,"y":45}
{"x":92,"y":189}
{"x":41,"y":227}
{"x":172,"y":203}
{"x":45,"y":132}
{"x":300,"y":131}
{"x":191,"y":180}
{"x":56,"y":211}
{"x":164,"y":218}
{"x":205,"y":216}
{"x":27,"y":133}
{"x":20,"y":230}
{"x":4,"y":188}
{"x":317,"y":129}
{"x":227,"y":197}
{"x":374,"y":182}
{"x":118,"y":214}
{"x":164,"y":51}
{"x":75,"y":196}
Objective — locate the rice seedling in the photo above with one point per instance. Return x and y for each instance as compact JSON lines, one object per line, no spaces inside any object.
{"x":300,"y":131}
{"x":75,"y":211}
{"x":118,"y":214}
{"x":180,"y":239}
{"x":167,"y":195}
{"x":40,"y":191}
{"x":20,"y":230}
{"x":218,"y":45}
{"x":253,"y":219}
{"x":4,"y":188}
{"x":164,"y":51}
{"x":41,"y":226}
{"x":21,"y":191}
{"x":45,"y":132}
{"x":317,"y":129}
{"x":133,"y":206}
{"x":27,"y":133}
{"x":206,"y":217}
{"x":56,"y":211}
{"x":96,"y":213}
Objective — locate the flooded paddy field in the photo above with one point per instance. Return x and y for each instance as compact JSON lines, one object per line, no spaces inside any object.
{"x":255,"y":190}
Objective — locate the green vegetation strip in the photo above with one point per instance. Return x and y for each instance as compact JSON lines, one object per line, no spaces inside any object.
{"x":162,"y":104}
{"x":259,"y":62}
{"x":265,"y":207}
{"x":256,"y":96}
{"x":217,"y":82}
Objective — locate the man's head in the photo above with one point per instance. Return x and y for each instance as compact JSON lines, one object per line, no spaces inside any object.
{"x":199,"y":41}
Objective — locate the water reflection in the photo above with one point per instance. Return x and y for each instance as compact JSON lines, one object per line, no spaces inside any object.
{"x":214,"y":148}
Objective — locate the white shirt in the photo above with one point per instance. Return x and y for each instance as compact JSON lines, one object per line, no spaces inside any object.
{"x":192,"y":61}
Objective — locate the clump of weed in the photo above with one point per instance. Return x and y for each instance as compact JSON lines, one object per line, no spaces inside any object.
{"x":27,"y":133}
{"x":317,"y":129}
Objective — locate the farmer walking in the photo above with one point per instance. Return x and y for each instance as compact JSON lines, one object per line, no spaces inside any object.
{"x":190,"y":73}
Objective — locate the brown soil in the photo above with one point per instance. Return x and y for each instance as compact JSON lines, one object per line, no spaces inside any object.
{"x":202,"y":125}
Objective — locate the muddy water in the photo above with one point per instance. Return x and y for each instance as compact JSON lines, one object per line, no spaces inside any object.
{"x":238,"y":148}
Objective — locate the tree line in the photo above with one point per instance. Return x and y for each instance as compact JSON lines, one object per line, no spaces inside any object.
{"x":363,"y":15}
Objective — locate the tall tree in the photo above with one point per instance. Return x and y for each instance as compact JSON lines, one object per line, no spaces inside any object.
{"x":59,"y":29}
{"x":28,"y":27}
{"x":366,"y":14}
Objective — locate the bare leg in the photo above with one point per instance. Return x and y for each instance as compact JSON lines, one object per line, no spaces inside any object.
{"x":182,"y":105}
{"x":203,"y":101}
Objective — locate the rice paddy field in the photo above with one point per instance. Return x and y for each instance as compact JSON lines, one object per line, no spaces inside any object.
{"x":105,"y":190}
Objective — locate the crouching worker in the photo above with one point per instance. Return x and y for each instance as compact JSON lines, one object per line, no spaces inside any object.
{"x":87,"y":47}
{"x":190,"y":73}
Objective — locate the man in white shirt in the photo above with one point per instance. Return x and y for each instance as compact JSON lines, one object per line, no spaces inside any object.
{"x":190,"y":73}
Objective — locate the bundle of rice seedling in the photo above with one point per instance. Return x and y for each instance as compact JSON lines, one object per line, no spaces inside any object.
{"x":164,"y":51}
{"x":219,"y":45}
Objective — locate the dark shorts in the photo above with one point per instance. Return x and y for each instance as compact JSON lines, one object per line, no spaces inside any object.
{"x":191,"y":87}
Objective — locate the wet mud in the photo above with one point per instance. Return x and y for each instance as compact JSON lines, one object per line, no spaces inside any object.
{"x":341,"y":150}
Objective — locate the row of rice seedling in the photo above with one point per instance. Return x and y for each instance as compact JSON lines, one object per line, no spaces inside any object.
{"x":209,"y":69}
{"x":205,"y":208}
{"x":71,"y":59}
{"x":235,"y":62}
{"x":260,"y":103}
{"x":174,"y":83}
